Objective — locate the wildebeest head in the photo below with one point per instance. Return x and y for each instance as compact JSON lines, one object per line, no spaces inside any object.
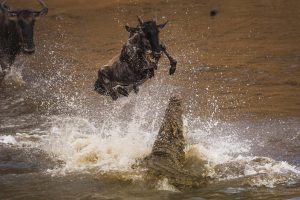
{"x":151,"y":30}
{"x":24,"y":20}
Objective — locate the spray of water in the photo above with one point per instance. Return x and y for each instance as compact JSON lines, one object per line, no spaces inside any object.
{"x":111,"y":136}
{"x":117,"y":139}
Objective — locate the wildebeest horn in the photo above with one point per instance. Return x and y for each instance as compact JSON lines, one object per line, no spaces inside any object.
{"x":4,"y":6}
{"x":162,"y":25}
{"x":140,"y":20}
{"x":7,"y":10}
{"x":44,"y":10}
{"x":3,"y":3}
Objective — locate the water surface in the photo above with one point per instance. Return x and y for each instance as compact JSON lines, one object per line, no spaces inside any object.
{"x":238,"y":71}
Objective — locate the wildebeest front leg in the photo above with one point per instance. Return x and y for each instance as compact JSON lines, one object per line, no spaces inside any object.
{"x":4,"y":68}
{"x":173,"y":62}
{"x":136,"y":88}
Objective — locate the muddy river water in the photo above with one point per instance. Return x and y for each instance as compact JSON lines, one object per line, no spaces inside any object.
{"x":239,"y":74}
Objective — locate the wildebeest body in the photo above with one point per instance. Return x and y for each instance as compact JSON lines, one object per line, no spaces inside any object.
{"x":9,"y":40}
{"x":16,"y":32}
{"x":136,"y":63}
{"x":128,"y":70}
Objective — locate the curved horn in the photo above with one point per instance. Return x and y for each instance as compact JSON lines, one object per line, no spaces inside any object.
{"x":44,"y":9}
{"x":42,"y":3}
{"x":140,"y":20}
{"x":3,"y":3}
{"x":4,"y":6}
{"x":7,"y":10}
{"x":162,"y":25}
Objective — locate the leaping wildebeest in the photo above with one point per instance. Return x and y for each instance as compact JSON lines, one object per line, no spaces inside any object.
{"x":136,"y":63}
{"x":16,"y":32}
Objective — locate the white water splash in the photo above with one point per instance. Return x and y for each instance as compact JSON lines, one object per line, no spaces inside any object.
{"x":166,"y":186}
{"x":8,"y":139}
{"x":82,"y":146}
{"x":127,"y":132}
{"x":14,"y":76}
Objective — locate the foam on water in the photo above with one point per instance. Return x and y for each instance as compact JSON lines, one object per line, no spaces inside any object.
{"x":82,"y":145}
{"x":14,"y":76}
{"x":7,"y":139}
{"x":165,"y":185}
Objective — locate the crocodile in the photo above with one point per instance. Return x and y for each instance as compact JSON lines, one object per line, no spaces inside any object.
{"x":168,"y":159}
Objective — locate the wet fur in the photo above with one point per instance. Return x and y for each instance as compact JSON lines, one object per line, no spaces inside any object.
{"x":12,"y":37}
{"x":136,"y":63}
{"x":128,"y":70}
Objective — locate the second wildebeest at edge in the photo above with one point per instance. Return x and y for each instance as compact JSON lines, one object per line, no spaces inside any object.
{"x":16,"y":33}
{"x":136,"y":63}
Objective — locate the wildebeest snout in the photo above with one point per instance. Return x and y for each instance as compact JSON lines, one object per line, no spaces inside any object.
{"x":29,"y":49}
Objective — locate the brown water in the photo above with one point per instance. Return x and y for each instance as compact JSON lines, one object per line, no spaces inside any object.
{"x":238,"y":71}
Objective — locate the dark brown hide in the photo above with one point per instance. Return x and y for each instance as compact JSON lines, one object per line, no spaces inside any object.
{"x":136,"y":63}
{"x":16,"y":32}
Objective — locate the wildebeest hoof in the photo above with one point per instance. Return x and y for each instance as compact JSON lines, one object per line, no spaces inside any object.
{"x":113,"y":95}
{"x":136,"y":89}
{"x":122,"y":91}
{"x":172,"y":70}
{"x":100,"y":88}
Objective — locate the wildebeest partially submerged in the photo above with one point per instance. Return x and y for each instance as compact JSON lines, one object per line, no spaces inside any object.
{"x":136,"y":63}
{"x":16,"y":32}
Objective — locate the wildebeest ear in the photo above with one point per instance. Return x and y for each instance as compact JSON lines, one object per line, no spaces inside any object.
{"x":4,"y":7}
{"x":41,"y":13}
{"x":131,"y":29}
{"x":37,"y":15}
{"x":161,"y":26}
{"x":12,"y":15}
